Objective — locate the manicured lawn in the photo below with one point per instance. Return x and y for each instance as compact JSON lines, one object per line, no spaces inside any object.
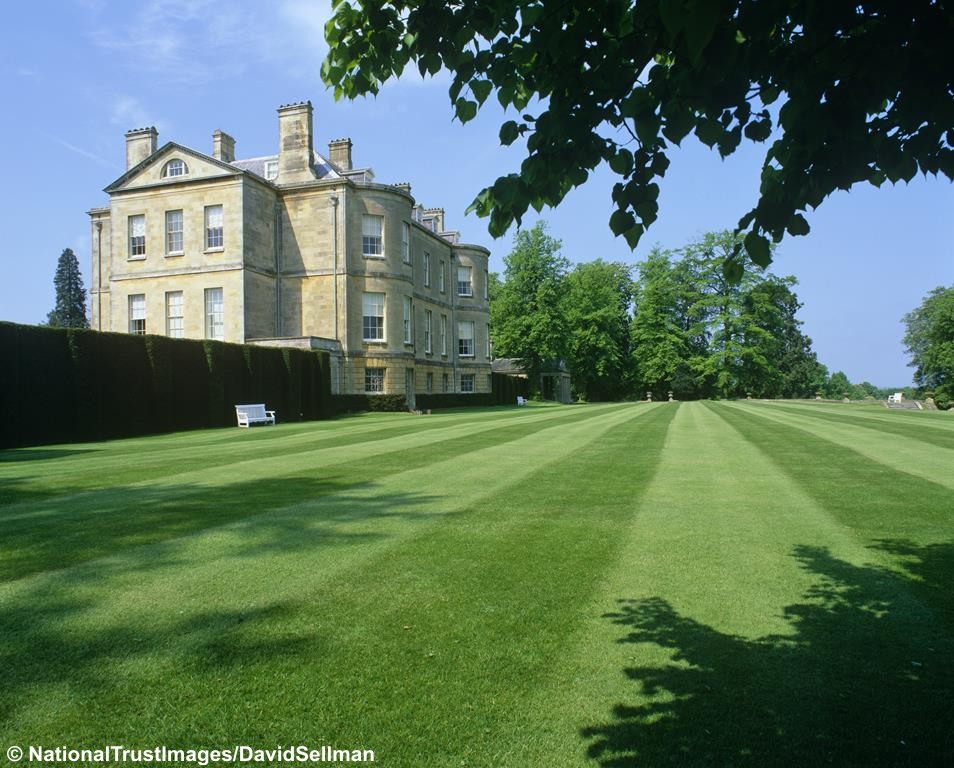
{"x":764,"y":584}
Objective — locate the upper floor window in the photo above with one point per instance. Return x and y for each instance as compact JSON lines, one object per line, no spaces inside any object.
{"x":465,"y":338}
{"x":486,"y":285}
{"x":173,"y":232}
{"x":440,"y":276}
{"x":214,"y":314}
{"x":428,"y":323}
{"x":465,"y":285}
{"x":137,"y":313}
{"x":372,"y":313}
{"x":175,"y":168}
{"x":372,"y":235}
{"x":271,"y":170}
{"x":213,"y":227}
{"x":427,"y":269}
{"x":406,"y":242}
{"x":137,"y":236}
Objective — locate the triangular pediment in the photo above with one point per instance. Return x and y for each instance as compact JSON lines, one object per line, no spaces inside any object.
{"x":172,"y":164}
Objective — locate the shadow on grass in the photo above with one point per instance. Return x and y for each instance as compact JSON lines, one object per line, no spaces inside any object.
{"x":40,"y":454}
{"x":70,"y":529}
{"x":865,"y":679}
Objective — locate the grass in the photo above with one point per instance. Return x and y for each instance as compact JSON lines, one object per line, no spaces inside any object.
{"x":604,"y":585}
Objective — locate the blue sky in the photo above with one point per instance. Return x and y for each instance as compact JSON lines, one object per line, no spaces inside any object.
{"x":76,"y":74}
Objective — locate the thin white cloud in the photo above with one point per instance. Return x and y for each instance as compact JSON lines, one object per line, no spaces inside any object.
{"x":82,"y":152}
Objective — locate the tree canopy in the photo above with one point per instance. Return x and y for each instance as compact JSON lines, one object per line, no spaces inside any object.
{"x":848,"y":93}
{"x":930,"y":342}
{"x":70,"y":309}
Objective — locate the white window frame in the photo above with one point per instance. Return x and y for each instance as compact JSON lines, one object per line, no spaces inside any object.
{"x":137,"y":314}
{"x":464,"y":349}
{"x":175,"y":237}
{"x":486,"y":285}
{"x":408,"y":321}
{"x":428,"y":327}
{"x":175,"y":315}
{"x":181,"y":169}
{"x":487,"y":348}
{"x":271,"y":170}
{"x":444,"y":335}
{"x":373,"y":325}
{"x":137,"y":242}
{"x":374,"y":378}
{"x":427,"y":269}
{"x":215,"y":314}
{"x":214,"y":235}
{"x":465,"y":285}
{"x":441,"y":278}
{"x":471,"y":378}
{"x":372,"y":236}
{"x":406,"y":242}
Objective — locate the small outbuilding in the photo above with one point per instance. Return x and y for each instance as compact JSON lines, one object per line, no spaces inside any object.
{"x":554,"y":382}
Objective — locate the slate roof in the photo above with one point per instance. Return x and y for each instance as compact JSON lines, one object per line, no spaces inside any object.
{"x":256,"y":165}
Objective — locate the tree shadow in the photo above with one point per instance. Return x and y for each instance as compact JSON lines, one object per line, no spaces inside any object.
{"x":14,"y":455}
{"x":866,"y":678}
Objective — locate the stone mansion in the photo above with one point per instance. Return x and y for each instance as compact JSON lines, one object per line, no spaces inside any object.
{"x":294,"y":249}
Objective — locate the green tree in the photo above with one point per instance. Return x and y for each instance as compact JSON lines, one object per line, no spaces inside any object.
{"x":70,"y":309}
{"x":838,"y":386}
{"x":929,"y":339}
{"x":596,"y":307}
{"x":852,"y":92}
{"x":526,"y":317}
{"x":664,"y":335}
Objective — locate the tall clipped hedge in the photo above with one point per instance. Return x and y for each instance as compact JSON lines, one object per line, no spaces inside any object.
{"x":69,"y":385}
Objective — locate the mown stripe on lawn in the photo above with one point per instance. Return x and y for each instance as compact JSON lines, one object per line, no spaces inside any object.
{"x":924,"y":431}
{"x":904,"y":454}
{"x":190,"y":639}
{"x":745,"y":625}
{"x":75,"y":527}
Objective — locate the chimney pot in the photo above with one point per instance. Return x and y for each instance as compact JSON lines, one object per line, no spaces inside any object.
{"x":339,"y":153}
{"x":223,"y":147}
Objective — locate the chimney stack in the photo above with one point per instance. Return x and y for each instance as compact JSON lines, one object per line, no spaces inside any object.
{"x":339,"y":153}
{"x":140,"y":144}
{"x":295,"y":147}
{"x":223,"y":147}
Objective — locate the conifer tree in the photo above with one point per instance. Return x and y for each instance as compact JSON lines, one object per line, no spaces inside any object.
{"x":70,"y":309}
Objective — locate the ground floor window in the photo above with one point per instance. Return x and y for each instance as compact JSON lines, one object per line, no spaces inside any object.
{"x":430,"y":383}
{"x":174,"y":314}
{"x":467,"y":385}
{"x":374,"y":379}
{"x":137,"y":313}
{"x":214,"y":314}
{"x":445,"y":383}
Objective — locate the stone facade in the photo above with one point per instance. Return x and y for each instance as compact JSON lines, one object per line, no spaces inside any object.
{"x":292,"y":249}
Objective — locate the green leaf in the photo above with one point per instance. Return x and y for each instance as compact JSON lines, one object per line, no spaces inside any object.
{"x":709,"y":132}
{"x":758,"y":249}
{"x":509,"y":132}
{"x":481,"y":89}
{"x":733,"y":270}
{"x":633,"y":234}
{"x":673,"y":15}
{"x":797,"y":225}
{"x":621,"y":221}
{"x":701,"y":22}
{"x":622,"y":163}
{"x":466,"y":110}
{"x":768,"y":94}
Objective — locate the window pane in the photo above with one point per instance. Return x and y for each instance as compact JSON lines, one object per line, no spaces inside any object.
{"x":137,"y":235}
{"x":213,"y":226}
{"x":373,"y":316}
{"x":464,"y":287}
{"x":465,"y":337}
{"x":214,"y":314}
{"x":408,"y":338}
{"x":174,"y":324}
{"x":428,"y":321}
{"x":173,"y":231}
{"x":406,"y":242}
{"x":467,"y":383}
{"x":374,"y":379}
{"x":372,"y":229}
{"x":137,"y":313}
{"x":427,"y":269}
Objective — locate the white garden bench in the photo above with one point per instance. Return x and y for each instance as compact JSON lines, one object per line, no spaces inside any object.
{"x":521,"y":400}
{"x":897,"y":397}
{"x":253,"y":414}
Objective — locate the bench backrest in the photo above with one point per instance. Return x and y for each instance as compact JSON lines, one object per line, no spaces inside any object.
{"x":256,"y":411}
